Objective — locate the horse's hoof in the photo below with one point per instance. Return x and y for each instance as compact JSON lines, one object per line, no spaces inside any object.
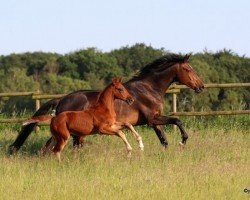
{"x":12,"y":150}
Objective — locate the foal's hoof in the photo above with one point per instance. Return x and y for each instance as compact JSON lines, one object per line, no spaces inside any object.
{"x":141,"y":147}
{"x":181,"y":144}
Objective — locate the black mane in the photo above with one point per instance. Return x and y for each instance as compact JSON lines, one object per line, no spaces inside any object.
{"x":160,"y":64}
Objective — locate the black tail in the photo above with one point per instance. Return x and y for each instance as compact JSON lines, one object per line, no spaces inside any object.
{"x":26,"y":130}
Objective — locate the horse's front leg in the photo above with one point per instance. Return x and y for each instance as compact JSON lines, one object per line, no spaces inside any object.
{"x":78,"y":141}
{"x":164,"y":120}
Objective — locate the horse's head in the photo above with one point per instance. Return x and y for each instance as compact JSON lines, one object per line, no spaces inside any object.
{"x":121,"y":92}
{"x":187,"y":76}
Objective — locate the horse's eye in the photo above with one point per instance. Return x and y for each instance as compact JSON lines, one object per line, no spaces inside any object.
{"x":120,"y":89}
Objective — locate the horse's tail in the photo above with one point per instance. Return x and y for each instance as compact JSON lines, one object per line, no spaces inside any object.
{"x":37,"y":119}
{"x":27,"y":129}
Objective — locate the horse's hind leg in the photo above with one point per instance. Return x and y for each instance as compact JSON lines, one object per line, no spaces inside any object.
{"x":78,"y":141}
{"x":136,"y":135}
{"x":48,"y":146}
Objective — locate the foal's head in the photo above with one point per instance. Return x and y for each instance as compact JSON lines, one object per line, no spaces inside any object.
{"x":187,"y":76}
{"x":121,"y":92}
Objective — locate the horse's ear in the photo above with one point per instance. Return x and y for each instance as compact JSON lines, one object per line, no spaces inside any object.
{"x":186,"y":57}
{"x":120,"y":79}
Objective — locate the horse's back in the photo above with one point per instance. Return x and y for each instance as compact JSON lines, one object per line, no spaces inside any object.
{"x":77,"y":101}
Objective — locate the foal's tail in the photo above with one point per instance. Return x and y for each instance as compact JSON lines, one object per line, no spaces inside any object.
{"x":37,"y":119}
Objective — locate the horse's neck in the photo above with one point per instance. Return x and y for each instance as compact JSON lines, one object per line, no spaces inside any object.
{"x":106,"y":99}
{"x":158,"y":82}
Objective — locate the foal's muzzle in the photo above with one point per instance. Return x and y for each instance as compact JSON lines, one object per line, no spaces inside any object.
{"x":130,"y":101}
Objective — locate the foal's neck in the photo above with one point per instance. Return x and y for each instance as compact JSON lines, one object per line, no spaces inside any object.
{"x":107,"y":98}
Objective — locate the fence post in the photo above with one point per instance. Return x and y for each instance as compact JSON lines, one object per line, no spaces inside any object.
{"x":38,"y":105}
{"x":174,"y":105}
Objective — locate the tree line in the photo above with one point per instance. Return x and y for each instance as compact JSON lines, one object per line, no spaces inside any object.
{"x":91,"y":68}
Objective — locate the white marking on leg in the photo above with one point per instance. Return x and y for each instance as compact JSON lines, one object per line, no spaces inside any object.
{"x":129,"y":148}
{"x":136,"y":135}
{"x":58,"y":155}
{"x":141,"y":144}
{"x":181,"y":143}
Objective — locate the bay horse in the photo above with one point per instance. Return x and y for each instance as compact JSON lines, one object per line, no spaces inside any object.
{"x":99,"y":118}
{"x":148,"y":88}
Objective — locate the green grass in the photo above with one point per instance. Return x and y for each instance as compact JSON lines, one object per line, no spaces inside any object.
{"x":215,"y":164}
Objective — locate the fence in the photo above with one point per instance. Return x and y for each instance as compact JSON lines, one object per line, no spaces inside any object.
{"x":210,"y":113}
{"x":174,"y":90}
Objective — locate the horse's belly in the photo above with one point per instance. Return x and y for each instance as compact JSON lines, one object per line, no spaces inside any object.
{"x":126,"y":114}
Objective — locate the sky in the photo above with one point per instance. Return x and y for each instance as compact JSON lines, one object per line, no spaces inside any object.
{"x":180,"y":26}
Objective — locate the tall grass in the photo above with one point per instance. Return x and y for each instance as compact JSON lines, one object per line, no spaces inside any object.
{"x":213,"y":165}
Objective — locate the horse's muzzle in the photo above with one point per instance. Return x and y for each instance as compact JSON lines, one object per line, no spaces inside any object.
{"x":199,"y":89}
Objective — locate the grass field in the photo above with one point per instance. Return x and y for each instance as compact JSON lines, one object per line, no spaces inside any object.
{"x":215,"y":164}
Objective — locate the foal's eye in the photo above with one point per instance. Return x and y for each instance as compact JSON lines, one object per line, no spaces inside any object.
{"x":120,"y":89}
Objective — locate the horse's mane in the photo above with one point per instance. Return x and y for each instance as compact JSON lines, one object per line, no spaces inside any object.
{"x":160,"y":64}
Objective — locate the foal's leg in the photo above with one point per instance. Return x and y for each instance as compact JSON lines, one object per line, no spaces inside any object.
{"x":129,"y":148}
{"x":61,"y":135}
{"x":136,"y":135}
{"x":60,"y":143}
{"x":115,"y":130}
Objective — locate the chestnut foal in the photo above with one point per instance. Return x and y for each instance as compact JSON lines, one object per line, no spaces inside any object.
{"x":99,"y":118}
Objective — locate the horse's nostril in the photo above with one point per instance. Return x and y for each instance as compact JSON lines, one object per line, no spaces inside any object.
{"x":198,"y":90}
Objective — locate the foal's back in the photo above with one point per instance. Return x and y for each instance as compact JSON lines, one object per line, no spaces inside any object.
{"x":77,"y":122}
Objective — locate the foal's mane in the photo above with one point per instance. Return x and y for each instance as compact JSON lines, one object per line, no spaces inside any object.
{"x":160,"y":64}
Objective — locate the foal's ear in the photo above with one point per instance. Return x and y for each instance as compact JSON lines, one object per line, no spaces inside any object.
{"x":115,"y":80}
